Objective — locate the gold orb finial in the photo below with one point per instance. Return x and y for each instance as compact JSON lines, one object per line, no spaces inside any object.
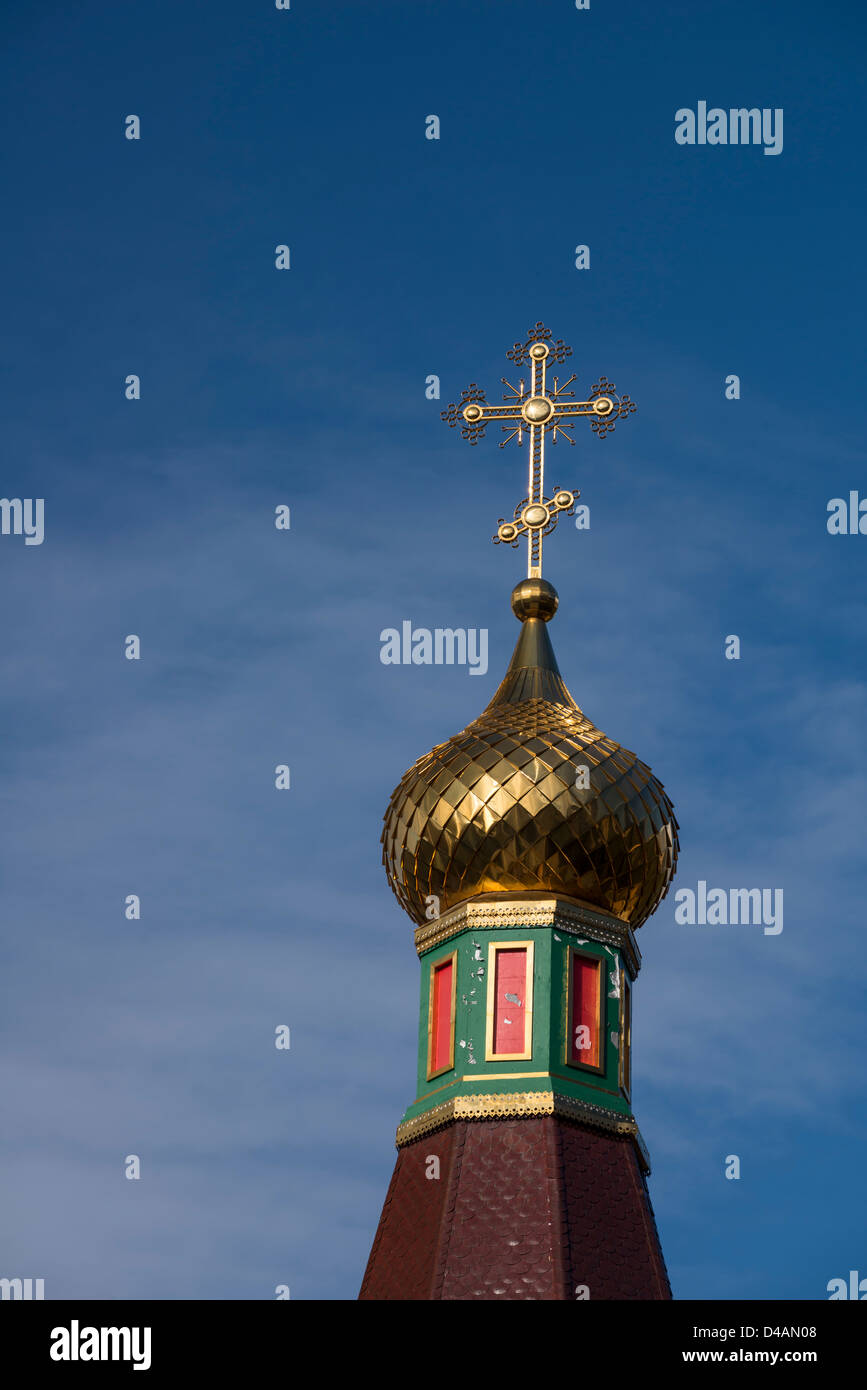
{"x":534,"y":598}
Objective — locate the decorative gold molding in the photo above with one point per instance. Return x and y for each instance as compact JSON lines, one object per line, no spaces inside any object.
{"x":522,"y":1105}
{"x":502,"y":1076}
{"x":518,"y":913}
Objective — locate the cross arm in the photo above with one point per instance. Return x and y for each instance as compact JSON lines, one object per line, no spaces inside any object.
{"x":473,"y":413}
{"x":603,"y":408}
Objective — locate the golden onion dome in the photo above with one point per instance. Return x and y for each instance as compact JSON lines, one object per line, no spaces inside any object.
{"x":531,"y":797}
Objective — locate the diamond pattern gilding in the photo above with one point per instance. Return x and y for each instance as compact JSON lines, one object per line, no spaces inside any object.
{"x":496,"y":807}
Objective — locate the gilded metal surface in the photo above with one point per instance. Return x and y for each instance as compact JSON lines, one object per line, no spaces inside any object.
{"x":541,"y":408}
{"x":536,"y":518}
{"x":518,"y":1105}
{"x":517,"y":914}
{"x":534,"y":598}
{"x":500,"y":809}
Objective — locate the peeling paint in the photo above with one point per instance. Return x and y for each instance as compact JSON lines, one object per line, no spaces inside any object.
{"x":615,"y":1038}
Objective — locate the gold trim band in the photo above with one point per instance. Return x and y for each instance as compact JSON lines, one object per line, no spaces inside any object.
{"x":521,"y":1105}
{"x":516,"y":913}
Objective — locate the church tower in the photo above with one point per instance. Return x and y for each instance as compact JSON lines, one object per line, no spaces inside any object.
{"x":528,"y":850}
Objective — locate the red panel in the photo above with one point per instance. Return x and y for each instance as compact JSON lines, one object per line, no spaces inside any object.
{"x":586,"y":979}
{"x":510,"y":978}
{"x":441,"y":1040}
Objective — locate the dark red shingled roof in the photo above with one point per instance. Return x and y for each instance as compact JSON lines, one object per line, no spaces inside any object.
{"x":523,"y":1209}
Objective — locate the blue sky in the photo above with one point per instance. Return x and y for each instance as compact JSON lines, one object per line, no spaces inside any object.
{"x":306,"y":387}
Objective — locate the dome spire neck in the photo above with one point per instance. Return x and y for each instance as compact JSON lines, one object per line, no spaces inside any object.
{"x":533,"y":673}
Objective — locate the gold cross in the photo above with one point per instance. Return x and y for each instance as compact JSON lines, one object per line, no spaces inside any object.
{"x":539,"y":409}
